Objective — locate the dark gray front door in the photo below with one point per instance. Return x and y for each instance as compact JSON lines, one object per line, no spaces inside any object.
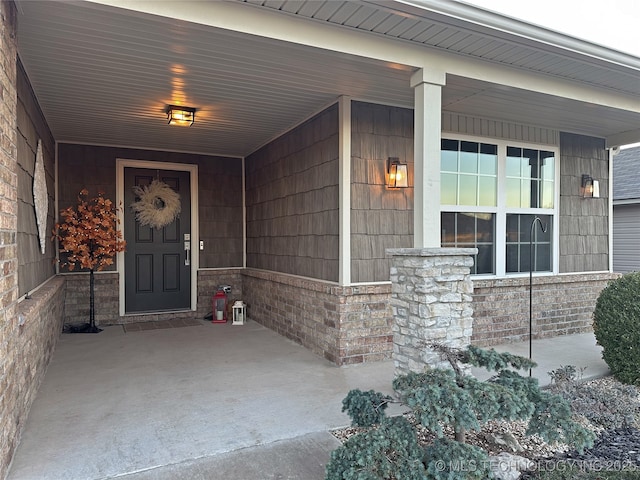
{"x":157,"y":273}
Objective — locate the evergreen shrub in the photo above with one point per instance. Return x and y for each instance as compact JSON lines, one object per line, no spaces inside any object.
{"x":389,"y":448}
{"x":616,"y":324}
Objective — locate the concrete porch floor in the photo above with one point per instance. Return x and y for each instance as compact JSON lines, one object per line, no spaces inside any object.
{"x":207,"y":402}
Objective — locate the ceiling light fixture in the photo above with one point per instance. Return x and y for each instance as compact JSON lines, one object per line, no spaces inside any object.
{"x":178,"y":115}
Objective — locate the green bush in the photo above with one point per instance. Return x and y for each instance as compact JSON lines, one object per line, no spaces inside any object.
{"x":389,"y":451}
{"x":365,"y":410}
{"x":616,"y":323}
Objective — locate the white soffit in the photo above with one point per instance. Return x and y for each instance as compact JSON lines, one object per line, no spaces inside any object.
{"x":104,"y":75}
{"x":473,"y":32}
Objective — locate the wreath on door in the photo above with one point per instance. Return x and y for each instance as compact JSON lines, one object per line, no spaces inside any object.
{"x":158,"y":204}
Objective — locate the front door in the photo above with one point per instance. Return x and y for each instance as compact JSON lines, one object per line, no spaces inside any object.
{"x":157,"y":263}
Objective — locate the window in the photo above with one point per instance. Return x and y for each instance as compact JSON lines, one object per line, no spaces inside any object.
{"x":471,"y":230}
{"x":468,"y":173}
{"x":530,"y":176}
{"x":490,"y":195}
{"x":520,"y":255}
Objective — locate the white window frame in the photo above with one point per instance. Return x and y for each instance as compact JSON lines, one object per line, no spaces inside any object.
{"x":501,"y":210}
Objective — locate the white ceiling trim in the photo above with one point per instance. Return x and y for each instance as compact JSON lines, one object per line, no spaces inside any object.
{"x":150,"y":149}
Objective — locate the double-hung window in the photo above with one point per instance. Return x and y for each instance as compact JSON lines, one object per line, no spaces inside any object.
{"x":491,"y":192}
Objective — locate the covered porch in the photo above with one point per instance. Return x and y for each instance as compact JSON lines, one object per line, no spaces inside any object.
{"x":297,"y":115}
{"x":299,"y":107}
{"x":197,"y":401}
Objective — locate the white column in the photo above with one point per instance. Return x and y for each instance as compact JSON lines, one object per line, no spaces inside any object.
{"x":244,"y":212}
{"x":344,"y":188}
{"x":427,"y":85}
{"x":612,"y":152}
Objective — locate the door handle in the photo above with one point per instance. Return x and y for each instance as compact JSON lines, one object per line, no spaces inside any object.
{"x":187,"y":249}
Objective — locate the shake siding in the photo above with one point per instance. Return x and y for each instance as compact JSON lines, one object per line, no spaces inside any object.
{"x":33,"y":267}
{"x":381,"y":218}
{"x":584,"y":222}
{"x":292,"y":201}
{"x":219,"y":192}
{"x":482,"y":127}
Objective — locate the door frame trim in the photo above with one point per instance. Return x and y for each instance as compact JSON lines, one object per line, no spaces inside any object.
{"x":121,"y":164}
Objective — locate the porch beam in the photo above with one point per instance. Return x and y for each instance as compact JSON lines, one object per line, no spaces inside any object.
{"x":344,"y":189}
{"x":427,"y":85}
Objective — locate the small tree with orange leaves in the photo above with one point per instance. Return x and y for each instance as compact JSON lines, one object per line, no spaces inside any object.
{"x":89,"y":238}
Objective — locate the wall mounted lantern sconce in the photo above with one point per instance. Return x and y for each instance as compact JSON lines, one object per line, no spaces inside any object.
{"x":589,"y":187}
{"x":178,"y":115}
{"x":397,"y":174}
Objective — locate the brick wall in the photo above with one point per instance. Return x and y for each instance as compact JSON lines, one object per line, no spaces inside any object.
{"x":208,"y":281}
{"x":354,"y":324}
{"x":562,"y":305}
{"x":342,"y":324}
{"x":365,"y":324}
{"x":12,"y":397}
{"x":32,"y":346}
{"x":76,"y":311}
{"x":107,"y":306}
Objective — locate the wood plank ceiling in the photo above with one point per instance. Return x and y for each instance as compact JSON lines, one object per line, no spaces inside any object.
{"x":104,"y":75}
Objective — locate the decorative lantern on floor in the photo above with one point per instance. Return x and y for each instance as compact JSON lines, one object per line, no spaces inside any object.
{"x":238,"y":312}
{"x":220,"y":301}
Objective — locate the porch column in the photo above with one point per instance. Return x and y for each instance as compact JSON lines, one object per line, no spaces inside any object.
{"x":431,"y":295}
{"x":344,"y":189}
{"x":427,"y":85}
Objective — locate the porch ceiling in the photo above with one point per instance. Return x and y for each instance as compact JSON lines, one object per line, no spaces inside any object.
{"x":104,"y":75}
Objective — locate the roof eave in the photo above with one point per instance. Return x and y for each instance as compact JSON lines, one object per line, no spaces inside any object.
{"x":512,"y":26}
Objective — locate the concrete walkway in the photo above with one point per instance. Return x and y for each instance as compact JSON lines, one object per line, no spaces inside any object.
{"x":206,"y":402}
{"x":550,"y":354}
